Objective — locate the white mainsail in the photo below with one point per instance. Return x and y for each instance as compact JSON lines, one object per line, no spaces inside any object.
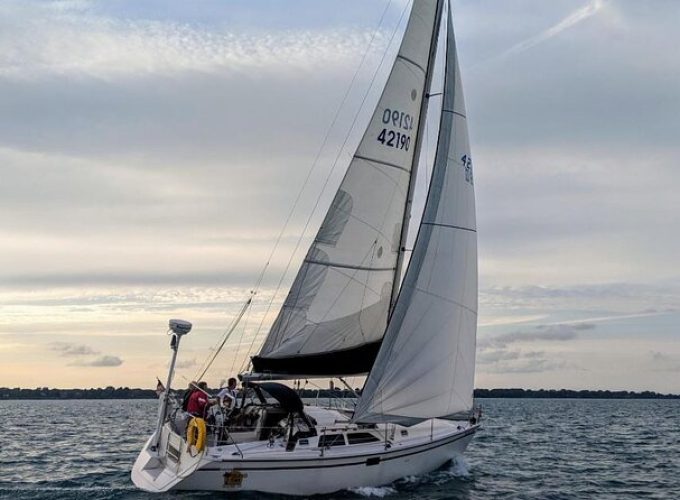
{"x":335,"y":314}
{"x":425,"y":366}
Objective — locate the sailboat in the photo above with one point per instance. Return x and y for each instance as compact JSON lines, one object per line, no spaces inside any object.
{"x":348,"y":313}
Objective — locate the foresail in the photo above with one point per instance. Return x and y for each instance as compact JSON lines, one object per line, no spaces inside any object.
{"x":335,"y":314}
{"x":425,"y":367}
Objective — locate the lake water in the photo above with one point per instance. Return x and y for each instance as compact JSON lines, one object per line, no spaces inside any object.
{"x":545,"y":449}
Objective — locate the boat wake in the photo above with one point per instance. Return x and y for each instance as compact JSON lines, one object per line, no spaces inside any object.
{"x":374,"y":491}
{"x":458,"y":467}
{"x":455,"y":471}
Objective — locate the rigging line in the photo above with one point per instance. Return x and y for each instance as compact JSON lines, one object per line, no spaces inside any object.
{"x":214,"y":349}
{"x":232,"y":326}
{"x":226,"y":337}
{"x":256,"y":336}
{"x":318,"y":155}
{"x":323,"y":144}
{"x":337,"y":158}
{"x":240,"y":341}
{"x":246,"y":358}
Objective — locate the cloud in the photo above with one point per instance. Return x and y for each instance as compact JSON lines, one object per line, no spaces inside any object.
{"x":529,"y":366}
{"x":570,"y":21}
{"x":78,"y":43}
{"x":546,"y":333}
{"x":658,"y":356}
{"x":589,"y":303}
{"x":491,"y":356}
{"x":189,"y":363}
{"x":502,"y":360}
{"x":496,"y":354}
{"x":68,"y":349}
{"x":663,"y":362}
{"x":103,"y":361}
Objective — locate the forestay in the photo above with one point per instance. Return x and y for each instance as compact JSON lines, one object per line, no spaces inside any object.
{"x":335,"y":314}
{"x":425,"y":367}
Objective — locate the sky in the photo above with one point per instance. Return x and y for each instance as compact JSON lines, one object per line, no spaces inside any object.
{"x":150,"y":154}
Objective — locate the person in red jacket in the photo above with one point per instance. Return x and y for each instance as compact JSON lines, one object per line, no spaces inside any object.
{"x":199,"y":401}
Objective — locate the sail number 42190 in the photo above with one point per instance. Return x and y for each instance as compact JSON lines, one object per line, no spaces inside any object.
{"x":401,"y":121}
{"x":394,"y":139}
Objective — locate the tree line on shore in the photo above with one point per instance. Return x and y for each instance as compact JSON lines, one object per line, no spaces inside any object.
{"x":128,"y":393}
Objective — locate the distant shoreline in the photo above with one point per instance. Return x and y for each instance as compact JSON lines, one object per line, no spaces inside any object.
{"x":12,"y":394}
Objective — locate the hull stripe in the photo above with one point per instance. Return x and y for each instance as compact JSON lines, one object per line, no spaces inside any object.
{"x":385,"y":456}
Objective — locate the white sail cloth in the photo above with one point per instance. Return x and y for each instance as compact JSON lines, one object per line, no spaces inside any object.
{"x":425,"y":366}
{"x":340,"y":297}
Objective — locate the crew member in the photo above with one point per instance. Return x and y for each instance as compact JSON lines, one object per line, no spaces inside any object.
{"x":199,"y":400}
{"x":228,"y":396}
{"x":187,"y":394}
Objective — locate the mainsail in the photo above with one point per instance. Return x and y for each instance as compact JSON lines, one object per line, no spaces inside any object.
{"x":335,"y":315}
{"x":425,"y":367}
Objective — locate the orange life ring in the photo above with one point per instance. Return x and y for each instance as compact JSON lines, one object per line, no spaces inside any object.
{"x":196,"y":434}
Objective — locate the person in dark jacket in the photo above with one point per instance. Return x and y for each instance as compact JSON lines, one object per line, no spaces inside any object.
{"x":187,"y":394}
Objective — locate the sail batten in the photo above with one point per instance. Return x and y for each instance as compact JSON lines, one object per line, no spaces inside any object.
{"x":425,"y":366}
{"x":348,"y":266}
{"x":404,"y":58}
{"x":450,"y":226}
{"x":387,"y":164}
{"x":340,"y":299}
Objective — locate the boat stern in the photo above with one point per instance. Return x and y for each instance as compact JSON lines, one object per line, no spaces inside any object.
{"x":159,"y":469}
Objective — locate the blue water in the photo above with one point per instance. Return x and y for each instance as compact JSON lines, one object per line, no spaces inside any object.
{"x":545,"y":449}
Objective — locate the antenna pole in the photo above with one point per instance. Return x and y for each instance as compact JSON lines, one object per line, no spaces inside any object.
{"x":178,"y":328}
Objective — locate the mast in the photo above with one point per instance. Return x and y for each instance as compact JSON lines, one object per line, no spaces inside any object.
{"x":335,"y":315}
{"x":416,"y":155}
{"x":425,"y":367}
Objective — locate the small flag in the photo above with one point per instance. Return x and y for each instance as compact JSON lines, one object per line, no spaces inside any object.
{"x":160,"y":388}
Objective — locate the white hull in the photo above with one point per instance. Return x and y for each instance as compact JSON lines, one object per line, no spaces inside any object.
{"x":263,"y":467}
{"x":326,"y":475}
